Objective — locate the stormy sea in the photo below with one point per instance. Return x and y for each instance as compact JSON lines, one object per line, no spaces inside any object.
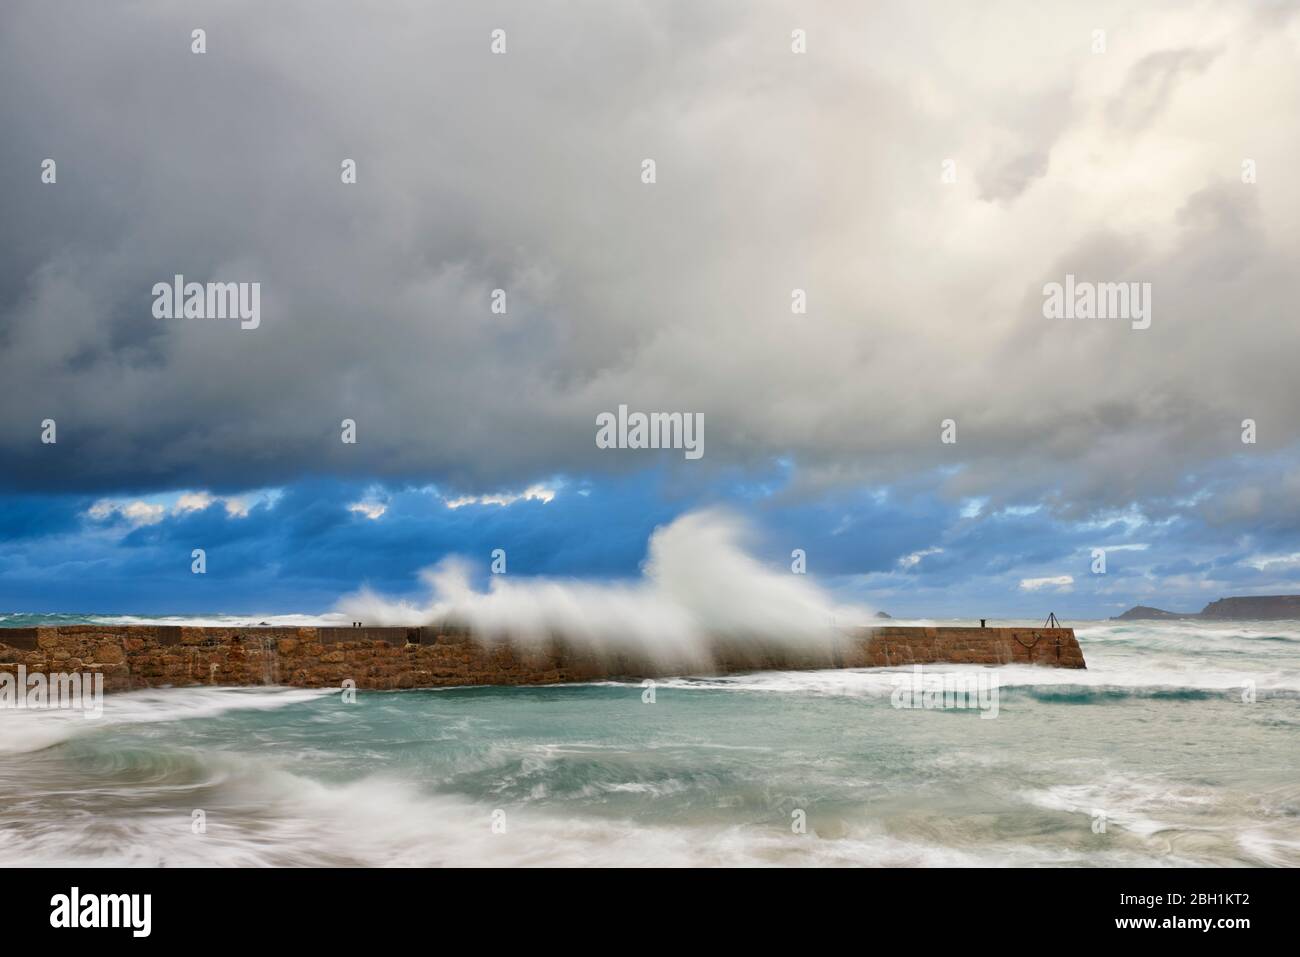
{"x":1178,"y":746}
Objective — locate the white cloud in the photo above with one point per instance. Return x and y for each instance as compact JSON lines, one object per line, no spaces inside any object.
{"x":192,"y":502}
{"x":371,"y":510}
{"x":914,"y":559}
{"x":237,"y":507}
{"x":1265,"y":562}
{"x":152,"y":511}
{"x":136,"y":512}
{"x":1059,"y":582}
{"x":534,"y":493}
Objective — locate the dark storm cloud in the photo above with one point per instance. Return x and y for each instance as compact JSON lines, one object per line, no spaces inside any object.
{"x":776,"y":172}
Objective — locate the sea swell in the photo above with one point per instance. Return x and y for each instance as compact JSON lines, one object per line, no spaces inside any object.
{"x":1185,"y":752}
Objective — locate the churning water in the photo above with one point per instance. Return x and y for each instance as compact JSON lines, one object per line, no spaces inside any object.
{"x":1178,"y":746}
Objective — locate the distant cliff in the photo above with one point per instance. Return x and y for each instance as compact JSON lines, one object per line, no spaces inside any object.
{"x":1256,"y":607}
{"x":1146,"y":613}
{"x":1270,"y":607}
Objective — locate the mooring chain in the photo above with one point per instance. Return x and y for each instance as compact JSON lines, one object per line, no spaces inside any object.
{"x":1028,"y":647}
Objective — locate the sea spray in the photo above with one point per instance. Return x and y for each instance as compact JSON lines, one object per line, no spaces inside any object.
{"x":701,"y":595}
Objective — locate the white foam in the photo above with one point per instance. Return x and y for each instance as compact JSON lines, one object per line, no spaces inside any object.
{"x":25,"y":730}
{"x":227,"y":621}
{"x":698,"y":586}
{"x":385,"y":822}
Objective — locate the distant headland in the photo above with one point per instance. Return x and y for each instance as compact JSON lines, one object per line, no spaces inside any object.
{"x":1256,"y":607}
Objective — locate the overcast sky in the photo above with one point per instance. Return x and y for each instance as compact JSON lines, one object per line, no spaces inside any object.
{"x":821,"y":171}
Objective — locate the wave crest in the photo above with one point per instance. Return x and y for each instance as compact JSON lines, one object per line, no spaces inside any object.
{"x":700,"y":591}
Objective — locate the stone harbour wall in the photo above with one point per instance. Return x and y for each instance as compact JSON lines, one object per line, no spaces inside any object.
{"x":150,"y":656}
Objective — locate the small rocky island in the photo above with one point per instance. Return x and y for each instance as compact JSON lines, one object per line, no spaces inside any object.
{"x":1253,"y":607}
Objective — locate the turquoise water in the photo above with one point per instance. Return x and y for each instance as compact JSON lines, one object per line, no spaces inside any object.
{"x":1155,"y":755}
